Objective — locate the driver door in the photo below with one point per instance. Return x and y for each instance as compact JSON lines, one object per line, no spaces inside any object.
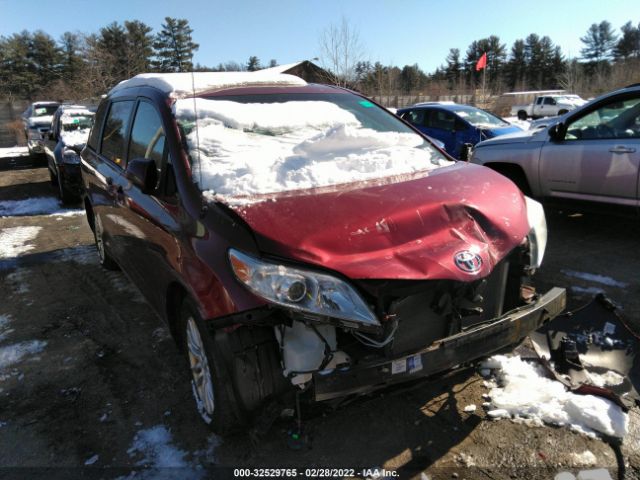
{"x":598,"y":158}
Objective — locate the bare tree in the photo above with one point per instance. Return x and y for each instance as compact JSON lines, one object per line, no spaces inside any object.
{"x":341,"y":50}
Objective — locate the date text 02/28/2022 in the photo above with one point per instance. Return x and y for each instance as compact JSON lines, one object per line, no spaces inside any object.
{"x":313,"y":472}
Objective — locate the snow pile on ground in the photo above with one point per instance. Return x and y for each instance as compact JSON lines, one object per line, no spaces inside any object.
{"x":13,"y":152}
{"x":12,"y":354}
{"x":252,"y":149}
{"x":15,"y":241}
{"x":155,"y":447}
{"x":523,"y":124}
{"x":36,"y":206}
{"x":525,"y":393}
{"x":154,"y":444}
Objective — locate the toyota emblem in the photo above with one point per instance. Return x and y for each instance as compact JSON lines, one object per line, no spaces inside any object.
{"x":467,"y":261}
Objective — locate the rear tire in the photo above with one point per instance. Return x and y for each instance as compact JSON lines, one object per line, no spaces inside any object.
{"x":522,"y":115}
{"x":212,"y":389}
{"x":562,"y":112}
{"x":53,"y":179}
{"x":106,"y":261}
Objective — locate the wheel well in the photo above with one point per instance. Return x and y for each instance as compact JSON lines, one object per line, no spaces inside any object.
{"x":89,"y":209}
{"x":562,"y":111}
{"x":513,"y":172}
{"x":176,"y":294}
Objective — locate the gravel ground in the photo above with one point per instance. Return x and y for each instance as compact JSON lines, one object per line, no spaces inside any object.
{"x":101,"y":390}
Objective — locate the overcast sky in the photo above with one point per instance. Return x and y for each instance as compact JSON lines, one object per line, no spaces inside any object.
{"x":392,"y":32}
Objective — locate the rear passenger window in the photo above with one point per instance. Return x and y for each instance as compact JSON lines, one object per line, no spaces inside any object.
{"x":147,"y":135}
{"x":115,"y":130}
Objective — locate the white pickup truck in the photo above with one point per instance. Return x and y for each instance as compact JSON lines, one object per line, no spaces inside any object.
{"x":548,"y":106}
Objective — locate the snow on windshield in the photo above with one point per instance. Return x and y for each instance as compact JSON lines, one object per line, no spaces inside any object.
{"x":75,"y":126}
{"x":259,"y":148}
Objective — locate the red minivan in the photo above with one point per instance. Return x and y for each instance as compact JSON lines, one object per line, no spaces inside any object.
{"x":300,"y":240}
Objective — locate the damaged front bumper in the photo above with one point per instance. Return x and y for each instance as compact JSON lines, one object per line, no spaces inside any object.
{"x":443,"y":354}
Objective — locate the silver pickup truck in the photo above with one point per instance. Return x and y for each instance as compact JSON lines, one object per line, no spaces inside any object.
{"x":548,"y":106}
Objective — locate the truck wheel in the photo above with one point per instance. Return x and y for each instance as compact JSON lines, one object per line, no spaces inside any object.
{"x":98,"y":235}
{"x":562,"y":112}
{"x":522,"y":115}
{"x":212,"y":389}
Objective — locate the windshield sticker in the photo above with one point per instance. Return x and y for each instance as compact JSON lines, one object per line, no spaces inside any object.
{"x":366,"y":103}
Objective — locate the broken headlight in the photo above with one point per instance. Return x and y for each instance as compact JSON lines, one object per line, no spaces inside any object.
{"x":301,"y":290}
{"x":538,"y":234}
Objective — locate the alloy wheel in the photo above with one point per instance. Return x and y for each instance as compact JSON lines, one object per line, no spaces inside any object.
{"x":200,"y":370}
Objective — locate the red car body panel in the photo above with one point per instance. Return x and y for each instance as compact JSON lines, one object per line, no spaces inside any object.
{"x":398,"y":228}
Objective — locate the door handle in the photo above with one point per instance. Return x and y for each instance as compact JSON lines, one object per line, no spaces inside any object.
{"x":622,"y":149}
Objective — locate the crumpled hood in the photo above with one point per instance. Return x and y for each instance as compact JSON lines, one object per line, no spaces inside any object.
{"x":396,"y":228}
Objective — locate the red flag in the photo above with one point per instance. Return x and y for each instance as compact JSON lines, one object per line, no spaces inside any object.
{"x":482,"y":63}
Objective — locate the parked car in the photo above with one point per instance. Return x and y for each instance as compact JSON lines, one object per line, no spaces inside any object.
{"x":63,"y":143}
{"x":456,"y":125}
{"x":548,"y":106}
{"x":589,"y":156}
{"x":298,"y":238}
{"x":37,"y":120}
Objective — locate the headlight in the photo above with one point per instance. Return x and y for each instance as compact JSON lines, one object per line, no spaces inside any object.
{"x":302,"y":290}
{"x":538,"y":233}
{"x":70,"y":156}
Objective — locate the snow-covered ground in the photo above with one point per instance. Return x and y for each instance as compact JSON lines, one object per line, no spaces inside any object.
{"x":12,"y":354}
{"x":36,"y":206}
{"x":13,"y":152}
{"x":523,"y":392}
{"x":155,"y":450}
{"x":15,"y":241}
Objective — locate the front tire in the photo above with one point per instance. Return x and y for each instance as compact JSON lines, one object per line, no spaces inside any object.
{"x":212,"y":389}
{"x":522,"y":115}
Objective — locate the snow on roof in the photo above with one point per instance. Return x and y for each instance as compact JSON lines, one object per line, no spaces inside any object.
{"x":187,"y":83}
{"x":281,"y":68}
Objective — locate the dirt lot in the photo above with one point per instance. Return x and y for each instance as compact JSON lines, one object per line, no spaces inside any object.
{"x":101,"y":391}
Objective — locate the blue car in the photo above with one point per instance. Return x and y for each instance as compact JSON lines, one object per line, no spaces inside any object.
{"x":455,"y":125}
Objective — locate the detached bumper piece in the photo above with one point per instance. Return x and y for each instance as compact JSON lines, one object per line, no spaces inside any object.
{"x":443,"y":354}
{"x":591,"y":343}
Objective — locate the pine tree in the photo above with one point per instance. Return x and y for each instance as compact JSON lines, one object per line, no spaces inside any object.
{"x":139,"y":47}
{"x":453,"y":69}
{"x":599,"y":42}
{"x":253,"y":64}
{"x":516,"y":67}
{"x":629,"y":44}
{"x":174,"y":47}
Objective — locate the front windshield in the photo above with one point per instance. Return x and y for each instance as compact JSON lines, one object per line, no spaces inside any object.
{"x":71,"y":122}
{"x":44,"y":110}
{"x":258,"y":144}
{"x":480,"y":118}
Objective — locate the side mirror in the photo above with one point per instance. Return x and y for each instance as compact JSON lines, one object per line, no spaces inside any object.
{"x":142,"y":172}
{"x":557,"y":132}
{"x":466,"y":151}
